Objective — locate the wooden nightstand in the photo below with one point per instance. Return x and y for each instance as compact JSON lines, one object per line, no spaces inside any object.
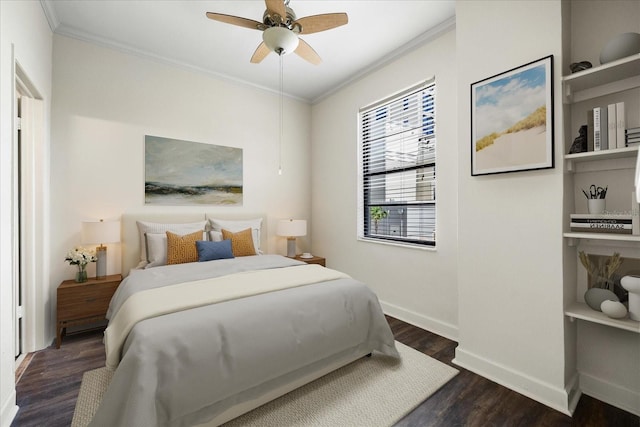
{"x":82,"y":303}
{"x":314,"y":260}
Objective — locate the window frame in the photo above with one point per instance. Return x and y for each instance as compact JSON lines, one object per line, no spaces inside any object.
{"x":364,"y":225}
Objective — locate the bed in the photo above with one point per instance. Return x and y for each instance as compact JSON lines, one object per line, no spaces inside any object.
{"x":200,"y":343}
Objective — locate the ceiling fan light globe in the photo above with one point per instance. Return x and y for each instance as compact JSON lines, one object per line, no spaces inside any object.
{"x":280,"y":39}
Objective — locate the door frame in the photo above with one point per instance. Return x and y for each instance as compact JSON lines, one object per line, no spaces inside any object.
{"x":29,"y":216}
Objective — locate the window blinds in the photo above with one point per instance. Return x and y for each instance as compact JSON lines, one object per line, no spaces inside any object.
{"x":398,"y":167}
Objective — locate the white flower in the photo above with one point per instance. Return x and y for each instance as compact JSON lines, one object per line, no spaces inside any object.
{"x":81,"y":256}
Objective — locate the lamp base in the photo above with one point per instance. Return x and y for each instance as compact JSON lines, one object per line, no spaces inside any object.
{"x":101,"y":263}
{"x":291,"y":247}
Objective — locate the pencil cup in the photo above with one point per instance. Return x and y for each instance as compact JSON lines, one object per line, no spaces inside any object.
{"x":596,"y":206}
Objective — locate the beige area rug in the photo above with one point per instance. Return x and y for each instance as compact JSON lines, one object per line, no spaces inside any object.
{"x":375,"y":391}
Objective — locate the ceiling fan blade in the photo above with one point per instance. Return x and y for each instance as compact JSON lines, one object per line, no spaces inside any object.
{"x":306,"y":52}
{"x":236,"y":20}
{"x":317,"y":23}
{"x":261,"y":52}
{"x":277,"y":6}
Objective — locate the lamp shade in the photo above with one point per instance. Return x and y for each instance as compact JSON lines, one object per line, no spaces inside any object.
{"x":280,"y":40}
{"x":292,"y":227}
{"x":100,"y":231}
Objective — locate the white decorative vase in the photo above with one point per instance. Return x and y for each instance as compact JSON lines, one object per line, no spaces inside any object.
{"x":632,"y":285}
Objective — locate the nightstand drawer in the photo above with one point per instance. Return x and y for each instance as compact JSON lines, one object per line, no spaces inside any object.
{"x":85,"y":301}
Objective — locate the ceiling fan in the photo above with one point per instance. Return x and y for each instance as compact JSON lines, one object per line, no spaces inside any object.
{"x":280,"y":29}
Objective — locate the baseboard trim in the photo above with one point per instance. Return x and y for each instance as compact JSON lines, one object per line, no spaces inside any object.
{"x":443,"y":329}
{"x":553,"y":397}
{"x":613,"y":394}
{"x":574,"y":392}
{"x":9,"y":410}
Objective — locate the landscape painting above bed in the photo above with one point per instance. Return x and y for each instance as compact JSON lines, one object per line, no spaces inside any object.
{"x":181,"y":172}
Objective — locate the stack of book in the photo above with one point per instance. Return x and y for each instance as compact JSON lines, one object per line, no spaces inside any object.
{"x":603,"y":223}
{"x":606,"y":127}
{"x":632,"y":136}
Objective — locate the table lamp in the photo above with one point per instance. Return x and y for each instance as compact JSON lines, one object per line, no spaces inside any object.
{"x":292,"y":228}
{"x":101,"y":232}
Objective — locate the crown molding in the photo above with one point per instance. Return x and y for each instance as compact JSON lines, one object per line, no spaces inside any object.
{"x":50,"y":14}
{"x":422,"y":39}
{"x":75,"y":33}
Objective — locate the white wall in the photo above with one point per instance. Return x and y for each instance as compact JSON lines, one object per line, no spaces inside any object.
{"x":25,"y":37}
{"x":416,"y":285}
{"x":106,"y":101}
{"x":511,"y":323}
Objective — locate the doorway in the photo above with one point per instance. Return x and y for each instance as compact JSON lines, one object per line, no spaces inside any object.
{"x":28,"y":215}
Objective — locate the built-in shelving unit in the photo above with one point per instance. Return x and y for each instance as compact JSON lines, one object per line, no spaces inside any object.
{"x":615,"y":77}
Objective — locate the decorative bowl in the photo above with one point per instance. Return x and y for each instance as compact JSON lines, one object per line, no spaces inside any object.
{"x":621,"y":46}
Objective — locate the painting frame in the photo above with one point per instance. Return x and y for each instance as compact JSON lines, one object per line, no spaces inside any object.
{"x":512,"y":120}
{"x":181,"y":172}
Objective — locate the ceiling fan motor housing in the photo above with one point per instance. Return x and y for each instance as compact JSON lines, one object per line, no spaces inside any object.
{"x":279,"y":21}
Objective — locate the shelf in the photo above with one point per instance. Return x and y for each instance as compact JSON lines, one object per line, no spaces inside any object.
{"x":614,"y":153}
{"x":603,"y":236}
{"x":582,"y":311}
{"x":592,"y":156}
{"x":613,"y":77}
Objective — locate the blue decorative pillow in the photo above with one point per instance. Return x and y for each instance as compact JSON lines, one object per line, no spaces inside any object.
{"x":208,"y":251}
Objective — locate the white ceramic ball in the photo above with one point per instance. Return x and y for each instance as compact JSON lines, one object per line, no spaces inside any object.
{"x":613,"y":309}
{"x":621,"y":46}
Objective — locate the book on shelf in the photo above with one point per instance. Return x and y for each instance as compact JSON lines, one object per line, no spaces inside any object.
{"x":602,"y":223}
{"x":600,"y":132}
{"x":590,"y":130}
{"x":612,"y":126}
{"x":621,"y":125}
{"x":632,"y":136}
{"x":635,"y":214}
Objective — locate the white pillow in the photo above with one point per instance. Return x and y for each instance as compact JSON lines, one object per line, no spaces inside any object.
{"x":161,"y":228}
{"x":156,"y":249}
{"x":215,"y":236}
{"x":238,"y":225}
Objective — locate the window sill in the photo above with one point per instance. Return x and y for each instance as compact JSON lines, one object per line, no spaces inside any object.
{"x":397,"y":244}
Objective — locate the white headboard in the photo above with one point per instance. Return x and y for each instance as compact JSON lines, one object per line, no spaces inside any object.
{"x":130,"y":246}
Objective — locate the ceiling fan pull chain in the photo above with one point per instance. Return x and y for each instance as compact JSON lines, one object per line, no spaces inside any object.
{"x":281,"y":112}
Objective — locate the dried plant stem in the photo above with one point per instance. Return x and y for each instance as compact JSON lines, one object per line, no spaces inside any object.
{"x":604,"y":270}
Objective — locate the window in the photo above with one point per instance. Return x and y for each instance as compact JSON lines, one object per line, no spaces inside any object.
{"x":397,"y":168}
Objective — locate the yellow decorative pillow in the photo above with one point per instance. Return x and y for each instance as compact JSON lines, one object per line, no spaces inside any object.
{"x":181,"y":249}
{"x":241,"y":242}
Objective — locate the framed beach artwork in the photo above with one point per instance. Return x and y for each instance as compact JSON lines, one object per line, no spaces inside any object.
{"x":181,"y":172}
{"x":512,"y":120}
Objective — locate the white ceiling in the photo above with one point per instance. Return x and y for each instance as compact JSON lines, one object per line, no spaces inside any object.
{"x":178,"y":32}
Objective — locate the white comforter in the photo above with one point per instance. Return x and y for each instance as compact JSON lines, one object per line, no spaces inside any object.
{"x":184,"y":368}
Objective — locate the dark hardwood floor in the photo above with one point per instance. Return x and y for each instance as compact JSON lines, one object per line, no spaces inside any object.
{"x":48,"y":389}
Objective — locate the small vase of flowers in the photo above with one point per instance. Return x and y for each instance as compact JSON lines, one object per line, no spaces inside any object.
{"x":81,"y":257}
